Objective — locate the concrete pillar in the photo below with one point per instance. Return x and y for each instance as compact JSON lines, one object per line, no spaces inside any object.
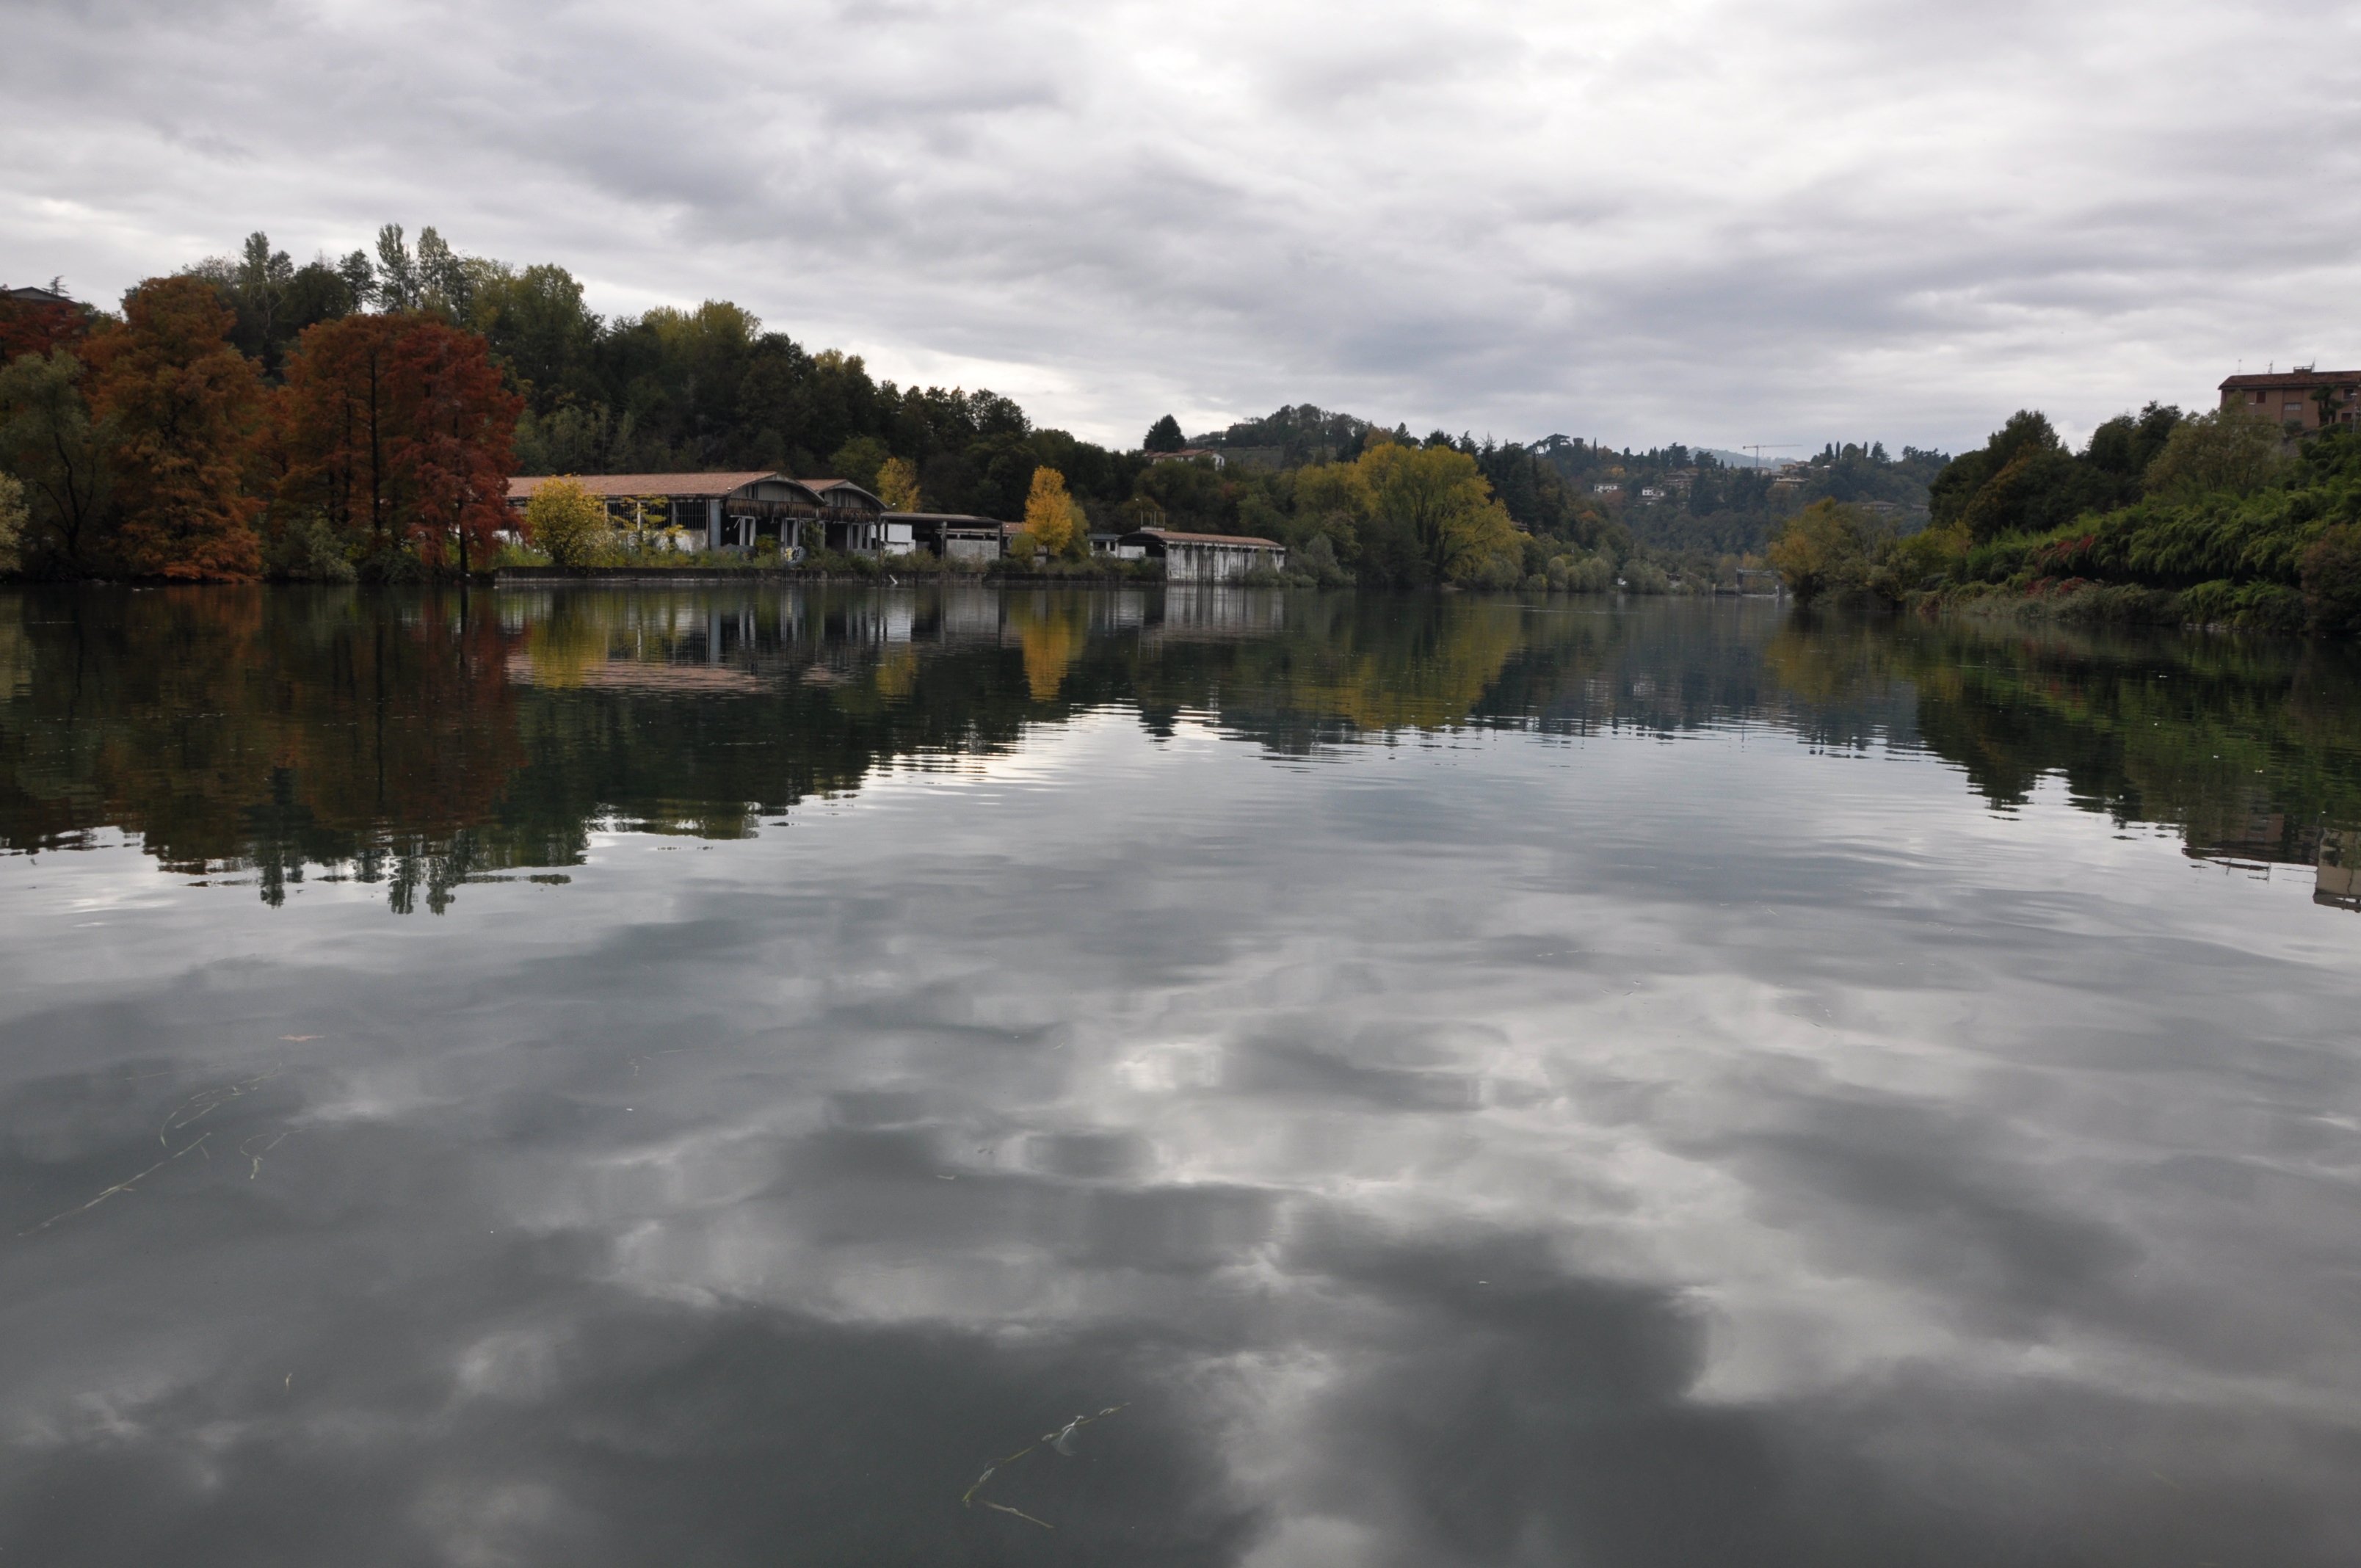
{"x":713,"y":524}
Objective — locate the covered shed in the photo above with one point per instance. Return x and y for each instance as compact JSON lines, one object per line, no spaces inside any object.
{"x":854,"y":521}
{"x":955,"y":536}
{"x":730,"y":509}
{"x":1206,"y":557}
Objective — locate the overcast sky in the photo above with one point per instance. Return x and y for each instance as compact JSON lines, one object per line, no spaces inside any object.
{"x":1782,"y":223}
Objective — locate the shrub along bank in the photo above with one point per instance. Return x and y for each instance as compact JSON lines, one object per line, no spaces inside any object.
{"x":2161,"y":519}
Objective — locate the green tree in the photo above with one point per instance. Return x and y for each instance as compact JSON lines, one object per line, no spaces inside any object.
{"x":2124,"y":446}
{"x":1165,"y":435}
{"x":2331,"y":581}
{"x":1829,"y":551}
{"x":272,"y":299}
{"x":858,"y":460}
{"x":264,"y":277}
{"x":398,"y":286}
{"x":1433,"y":518}
{"x":2233,"y":450}
{"x":359,"y":275}
{"x":446,"y":281}
{"x":50,"y":442}
{"x":13,"y":515}
{"x":541,"y":333}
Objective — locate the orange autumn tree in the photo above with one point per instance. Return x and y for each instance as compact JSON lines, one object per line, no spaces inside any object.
{"x":458,"y":441}
{"x":395,"y":429}
{"x":186,"y":409}
{"x":40,"y":326}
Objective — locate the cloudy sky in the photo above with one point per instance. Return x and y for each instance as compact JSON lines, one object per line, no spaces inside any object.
{"x":1782,"y":223}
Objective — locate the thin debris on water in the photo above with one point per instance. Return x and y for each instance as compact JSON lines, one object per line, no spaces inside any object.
{"x":200,"y":1106}
{"x":255,"y":1154}
{"x":1061,"y":1440}
{"x":196,"y":1108}
{"x":125,"y":1185}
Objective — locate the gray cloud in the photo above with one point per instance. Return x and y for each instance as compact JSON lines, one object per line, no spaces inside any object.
{"x":1710,"y":222}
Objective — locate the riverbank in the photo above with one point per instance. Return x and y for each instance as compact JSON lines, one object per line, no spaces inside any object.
{"x":2209,"y":607}
{"x":1120,"y":573}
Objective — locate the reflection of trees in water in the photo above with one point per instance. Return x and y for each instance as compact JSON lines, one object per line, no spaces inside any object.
{"x":238,"y":729}
{"x":2249,"y":746}
{"x":397,"y":741}
{"x":1051,"y":629}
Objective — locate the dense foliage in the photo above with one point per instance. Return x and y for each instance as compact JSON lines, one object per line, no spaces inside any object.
{"x":1680,"y":499}
{"x":152,"y":444}
{"x":360,"y":416}
{"x":2221,"y":518}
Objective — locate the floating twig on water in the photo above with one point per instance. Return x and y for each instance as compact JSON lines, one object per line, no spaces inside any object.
{"x":203,"y":1105}
{"x":124,"y":1186}
{"x":255,"y":1154}
{"x":1061,"y":1440}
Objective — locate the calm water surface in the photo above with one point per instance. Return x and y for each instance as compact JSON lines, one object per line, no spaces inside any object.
{"x":703,"y":1077}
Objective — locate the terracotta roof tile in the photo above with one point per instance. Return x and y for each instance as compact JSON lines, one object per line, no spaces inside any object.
{"x":650,"y":484}
{"x":1171,"y":534}
{"x":2290,"y":379}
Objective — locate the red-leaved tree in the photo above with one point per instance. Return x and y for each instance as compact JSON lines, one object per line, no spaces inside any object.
{"x":395,"y":429}
{"x":39,"y":326}
{"x":458,"y":444}
{"x":336,"y":426}
{"x":186,"y":412}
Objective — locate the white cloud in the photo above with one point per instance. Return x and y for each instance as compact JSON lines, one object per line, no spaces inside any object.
{"x":1701,"y":221}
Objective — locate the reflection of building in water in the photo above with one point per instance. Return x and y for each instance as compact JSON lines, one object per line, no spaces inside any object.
{"x":778,"y":634}
{"x":2339,"y":872}
{"x":971,"y":614}
{"x":1238,"y":610}
{"x":1125,"y":610}
{"x":885,"y":616}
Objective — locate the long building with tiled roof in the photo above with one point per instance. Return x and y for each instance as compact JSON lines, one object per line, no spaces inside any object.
{"x":2304,"y":397}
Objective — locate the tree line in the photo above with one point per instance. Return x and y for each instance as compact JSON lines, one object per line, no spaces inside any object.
{"x":248,"y":417}
{"x":150,"y":443}
{"x":356,"y":415}
{"x":2220,"y":518}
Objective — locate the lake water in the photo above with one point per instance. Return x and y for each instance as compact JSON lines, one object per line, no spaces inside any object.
{"x":700,"y":1077}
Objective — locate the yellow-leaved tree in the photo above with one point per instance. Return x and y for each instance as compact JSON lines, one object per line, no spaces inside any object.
{"x":567,"y":521}
{"x":897,"y":486}
{"x":1431,"y":516}
{"x":1829,"y":550}
{"x":1054,"y":518}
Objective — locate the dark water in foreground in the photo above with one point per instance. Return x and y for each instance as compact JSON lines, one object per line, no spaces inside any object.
{"x":698,"y":1078}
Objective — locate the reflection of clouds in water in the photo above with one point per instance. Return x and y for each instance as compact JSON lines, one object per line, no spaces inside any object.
{"x":1627,"y":1185}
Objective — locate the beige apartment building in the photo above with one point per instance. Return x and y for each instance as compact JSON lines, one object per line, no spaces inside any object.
{"x":2301,"y":397}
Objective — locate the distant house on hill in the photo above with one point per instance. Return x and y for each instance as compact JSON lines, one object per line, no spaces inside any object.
{"x":1188,"y":454}
{"x":2302,"y":397}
